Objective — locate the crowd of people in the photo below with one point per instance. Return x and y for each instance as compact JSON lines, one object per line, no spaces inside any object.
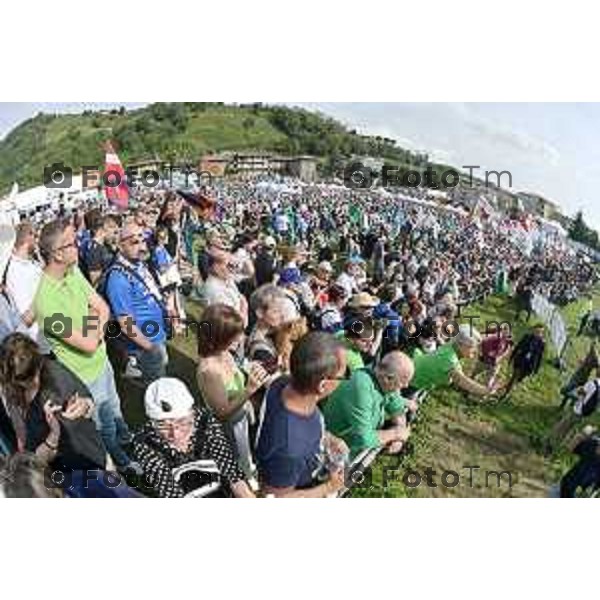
{"x":322,"y":315}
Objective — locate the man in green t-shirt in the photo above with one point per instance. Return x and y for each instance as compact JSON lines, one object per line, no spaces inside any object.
{"x":73,"y":317}
{"x":443,"y":367}
{"x":361,"y":337}
{"x":359,"y":409}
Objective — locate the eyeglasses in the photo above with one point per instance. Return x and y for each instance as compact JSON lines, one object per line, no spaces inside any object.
{"x":176,"y":425}
{"x":72,"y":244}
{"x":134,"y":240}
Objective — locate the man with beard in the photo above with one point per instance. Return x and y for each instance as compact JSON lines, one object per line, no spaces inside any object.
{"x":137,"y":303}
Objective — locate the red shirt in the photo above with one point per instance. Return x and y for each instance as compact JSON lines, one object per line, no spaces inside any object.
{"x":493,"y":346}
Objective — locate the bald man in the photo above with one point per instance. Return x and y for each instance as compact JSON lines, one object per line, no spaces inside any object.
{"x":368,"y":411}
{"x":137,"y":303}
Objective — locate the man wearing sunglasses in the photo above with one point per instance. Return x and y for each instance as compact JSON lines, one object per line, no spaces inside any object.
{"x":74,"y":317}
{"x":292,"y":440}
{"x":138,"y":304}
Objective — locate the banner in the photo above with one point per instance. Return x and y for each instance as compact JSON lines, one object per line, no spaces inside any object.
{"x":117,"y":193}
{"x":551,"y":316}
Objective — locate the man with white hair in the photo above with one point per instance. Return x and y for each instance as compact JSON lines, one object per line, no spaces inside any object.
{"x":443,"y":368}
{"x":359,"y":410}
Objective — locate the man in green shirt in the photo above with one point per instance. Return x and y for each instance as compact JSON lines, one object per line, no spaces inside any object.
{"x":360,"y":408}
{"x":361,"y":337}
{"x":443,"y":367}
{"x":353,"y":346}
{"x":73,"y":317}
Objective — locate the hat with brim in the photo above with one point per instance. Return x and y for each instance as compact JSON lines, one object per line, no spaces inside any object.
{"x":363,"y":300}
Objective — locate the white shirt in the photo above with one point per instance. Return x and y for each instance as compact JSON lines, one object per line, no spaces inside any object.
{"x":282,"y":223}
{"x":217,"y":291}
{"x":348,"y":283}
{"x":10,"y":321}
{"x":23,"y":278}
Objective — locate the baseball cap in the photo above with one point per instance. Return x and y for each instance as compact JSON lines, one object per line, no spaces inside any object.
{"x":290,"y":275}
{"x":168,"y":398}
{"x":355,"y":260}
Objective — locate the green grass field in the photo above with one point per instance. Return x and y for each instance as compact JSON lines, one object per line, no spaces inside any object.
{"x":454,"y":432}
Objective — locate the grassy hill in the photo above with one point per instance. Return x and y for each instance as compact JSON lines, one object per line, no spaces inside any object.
{"x":182,"y":132}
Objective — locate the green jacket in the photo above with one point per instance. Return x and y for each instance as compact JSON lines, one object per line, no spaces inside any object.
{"x":358,"y":409}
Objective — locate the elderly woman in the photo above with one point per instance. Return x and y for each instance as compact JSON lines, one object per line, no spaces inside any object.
{"x":269,"y":304}
{"x":184,"y":449}
{"x":223,"y":385}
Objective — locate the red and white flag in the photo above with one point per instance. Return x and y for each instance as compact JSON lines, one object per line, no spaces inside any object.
{"x":115,"y":182}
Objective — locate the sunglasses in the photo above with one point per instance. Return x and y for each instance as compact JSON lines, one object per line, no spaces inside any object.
{"x":134,"y":240}
{"x":179,"y":425}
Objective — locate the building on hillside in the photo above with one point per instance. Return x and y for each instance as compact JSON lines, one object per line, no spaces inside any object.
{"x":538,"y":205}
{"x":255,"y":164}
{"x":147,"y":165}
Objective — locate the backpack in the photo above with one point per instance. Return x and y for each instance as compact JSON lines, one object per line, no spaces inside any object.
{"x":315,"y":319}
{"x":115,"y":266}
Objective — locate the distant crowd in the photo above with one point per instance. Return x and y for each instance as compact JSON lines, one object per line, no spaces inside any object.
{"x":326,"y":317}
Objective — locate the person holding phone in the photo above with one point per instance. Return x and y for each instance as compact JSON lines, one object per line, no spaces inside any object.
{"x":46,"y":409}
{"x":269,"y":304}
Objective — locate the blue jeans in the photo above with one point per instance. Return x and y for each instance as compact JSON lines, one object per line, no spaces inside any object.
{"x":108,"y":417}
{"x":153,"y":365}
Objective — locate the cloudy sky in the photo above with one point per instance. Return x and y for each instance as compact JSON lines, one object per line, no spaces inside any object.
{"x":549,"y":148}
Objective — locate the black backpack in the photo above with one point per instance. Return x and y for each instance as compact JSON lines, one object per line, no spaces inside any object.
{"x":315,"y":318}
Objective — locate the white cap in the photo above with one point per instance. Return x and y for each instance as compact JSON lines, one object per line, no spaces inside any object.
{"x":325,"y":266}
{"x":270,"y":242}
{"x":168,"y":399}
{"x":7,"y":243}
